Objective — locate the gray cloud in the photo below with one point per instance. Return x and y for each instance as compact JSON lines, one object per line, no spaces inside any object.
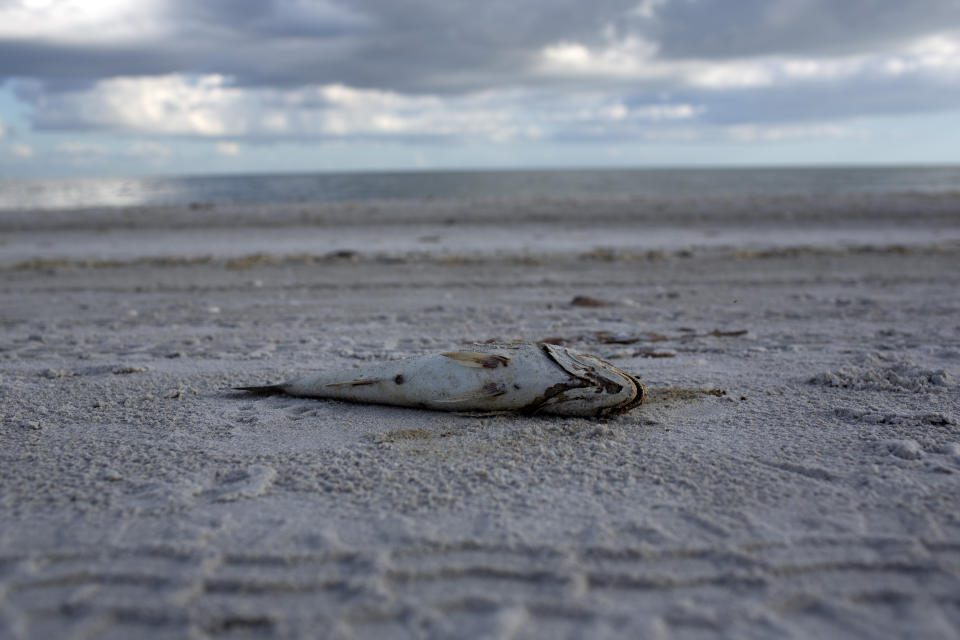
{"x":723,"y":29}
{"x":724,"y":59}
{"x":65,"y":65}
{"x":449,"y":46}
{"x":420,"y":45}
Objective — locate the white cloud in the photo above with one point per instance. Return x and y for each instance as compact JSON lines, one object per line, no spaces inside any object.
{"x":935,"y":54}
{"x":626,"y":57}
{"x":163,"y":23}
{"x":209,"y":106}
{"x":755,"y":133}
{"x":732,"y":75}
{"x":633,"y":58}
{"x":813,"y":131}
{"x":228,"y":149}
{"x":171,"y":104}
{"x":152,"y":151}
{"x":79,"y":149}
{"x":647,"y":9}
{"x":21,"y":150}
{"x":618,"y":112}
{"x":599,"y":102}
{"x":82,"y":20}
{"x":82,"y":152}
{"x":420,"y":161}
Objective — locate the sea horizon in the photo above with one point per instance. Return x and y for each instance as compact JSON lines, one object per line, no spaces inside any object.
{"x":82,"y":192}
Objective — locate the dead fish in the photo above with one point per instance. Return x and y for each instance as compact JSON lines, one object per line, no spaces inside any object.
{"x":524,"y":378}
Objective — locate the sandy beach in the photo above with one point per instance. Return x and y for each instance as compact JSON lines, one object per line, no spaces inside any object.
{"x":794,"y":473}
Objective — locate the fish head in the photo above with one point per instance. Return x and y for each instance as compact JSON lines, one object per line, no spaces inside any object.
{"x":598,"y":388}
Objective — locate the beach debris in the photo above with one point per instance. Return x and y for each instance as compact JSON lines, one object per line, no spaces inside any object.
{"x":111,"y":475}
{"x":343,"y":254}
{"x":665,"y":395}
{"x":526,"y":378}
{"x":608,"y":337}
{"x":653,"y":336}
{"x":588,"y":301}
{"x":603,"y":254}
{"x":125,"y":370}
{"x":716,"y":333}
{"x":655,"y":353}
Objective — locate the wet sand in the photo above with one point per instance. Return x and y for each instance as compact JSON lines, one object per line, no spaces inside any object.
{"x":794,"y":473}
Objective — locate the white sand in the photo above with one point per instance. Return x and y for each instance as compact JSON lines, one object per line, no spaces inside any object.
{"x":799,"y":480}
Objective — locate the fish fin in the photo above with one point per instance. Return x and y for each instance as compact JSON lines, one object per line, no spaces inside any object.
{"x":354,"y":383}
{"x":566,"y":359}
{"x":489,"y":390}
{"x":265,"y":390}
{"x":477,"y":359}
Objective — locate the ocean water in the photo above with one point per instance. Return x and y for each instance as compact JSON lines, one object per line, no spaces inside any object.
{"x":82,"y":193}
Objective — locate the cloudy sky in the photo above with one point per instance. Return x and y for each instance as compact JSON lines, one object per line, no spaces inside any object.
{"x":209,"y":86}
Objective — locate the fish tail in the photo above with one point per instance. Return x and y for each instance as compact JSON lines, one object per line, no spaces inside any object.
{"x":265,"y":390}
